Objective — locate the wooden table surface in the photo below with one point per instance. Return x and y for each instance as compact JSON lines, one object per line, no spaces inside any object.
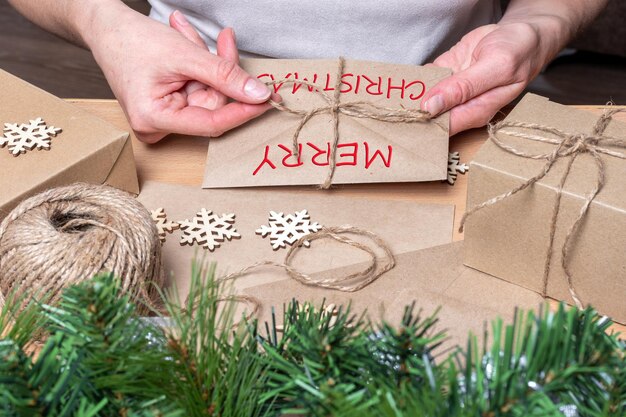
{"x":180,"y":160}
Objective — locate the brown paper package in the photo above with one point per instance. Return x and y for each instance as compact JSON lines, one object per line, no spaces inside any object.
{"x":87,"y":150}
{"x":404,"y":226}
{"x":435,"y":278}
{"x":414,"y":151}
{"x":509,"y":239}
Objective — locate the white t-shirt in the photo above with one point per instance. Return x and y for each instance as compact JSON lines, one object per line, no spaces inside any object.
{"x":400,"y":31}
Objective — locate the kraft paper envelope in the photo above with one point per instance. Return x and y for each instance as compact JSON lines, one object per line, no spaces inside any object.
{"x":87,"y":150}
{"x":260,"y":152}
{"x":433,"y":278}
{"x":405,"y":226}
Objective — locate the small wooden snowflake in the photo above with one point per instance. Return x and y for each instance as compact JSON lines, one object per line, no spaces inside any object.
{"x":208,"y":229}
{"x":163,"y":226}
{"x":288,"y":229}
{"x":19,"y":138}
{"x":454,"y":167}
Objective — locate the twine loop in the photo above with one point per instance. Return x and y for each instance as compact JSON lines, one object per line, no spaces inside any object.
{"x":334,"y":107}
{"x":568,"y":146}
{"x":352,"y":282}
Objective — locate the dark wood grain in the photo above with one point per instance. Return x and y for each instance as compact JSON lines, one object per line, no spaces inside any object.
{"x":49,"y":62}
{"x":69,"y":71}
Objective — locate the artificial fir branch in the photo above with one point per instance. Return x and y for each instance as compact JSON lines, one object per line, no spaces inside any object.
{"x":100,"y":359}
{"x":562,"y":358}
{"x":218,"y":370}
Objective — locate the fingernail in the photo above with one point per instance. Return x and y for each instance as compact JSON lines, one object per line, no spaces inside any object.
{"x":256,"y":89}
{"x":232,"y":31}
{"x":180,"y":18}
{"x":434,"y":105}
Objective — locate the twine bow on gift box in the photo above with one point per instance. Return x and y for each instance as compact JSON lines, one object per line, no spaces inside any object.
{"x":358,"y":109}
{"x":569,"y":146}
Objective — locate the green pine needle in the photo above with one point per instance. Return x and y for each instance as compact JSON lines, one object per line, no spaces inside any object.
{"x":100,"y":359}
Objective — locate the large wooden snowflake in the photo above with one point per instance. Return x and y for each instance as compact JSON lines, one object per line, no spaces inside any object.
{"x":208,"y":229}
{"x":455,"y":167}
{"x":288,"y":229}
{"x":23,"y":137}
{"x":162,"y":224}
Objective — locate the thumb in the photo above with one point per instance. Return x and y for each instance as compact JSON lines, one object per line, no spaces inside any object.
{"x":225,"y":76}
{"x":463,"y":86}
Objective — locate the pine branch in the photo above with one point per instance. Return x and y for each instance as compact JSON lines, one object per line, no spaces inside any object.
{"x":100,"y":359}
{"x":20,"y":319}
{"x":563,"y":358}
{"x":16,"y":396}
{"x":218,"y":369}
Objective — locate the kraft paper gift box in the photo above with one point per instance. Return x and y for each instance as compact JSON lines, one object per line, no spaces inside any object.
{"x":86,"y":150}
{"x":435,"y":279}
{"x":510,"y":238}
{"x":260,"y":153}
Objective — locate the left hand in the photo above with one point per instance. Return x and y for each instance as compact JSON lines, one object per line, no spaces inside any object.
{"x":491,"y":66}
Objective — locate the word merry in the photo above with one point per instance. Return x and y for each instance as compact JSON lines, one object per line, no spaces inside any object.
{"x":351,"y":83}
{"x":347,"y":155}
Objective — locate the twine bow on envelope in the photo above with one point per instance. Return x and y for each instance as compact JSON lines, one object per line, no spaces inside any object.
{"x":358,"y":109}
{"x":568,"y":146}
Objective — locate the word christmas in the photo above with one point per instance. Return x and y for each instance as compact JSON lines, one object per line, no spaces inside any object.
{"x":351,"y":84}
{"x":348,"y":154}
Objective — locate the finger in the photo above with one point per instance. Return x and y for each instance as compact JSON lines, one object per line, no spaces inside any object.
{"x":208,"y":98}
{"x":227,"y":45}
{"x":198,"y":121}
{"x":462,"y":55}
{"x":451,"y":59}
{"x":459,"y":88}
{"x":478,"y":111}
{"x":227,"y":49}
{"x":193,"y":86}
{"x":179,"y":22}
{"x":196,"y":92}
{"x":225,"y":76}
{"x":147,"y":130}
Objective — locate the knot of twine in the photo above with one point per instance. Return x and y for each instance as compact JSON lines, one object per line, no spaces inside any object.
{"x":568,"y":146}
{"x":358,"y":109}
{"x":352,"y":282}
{"x":69,"y":234}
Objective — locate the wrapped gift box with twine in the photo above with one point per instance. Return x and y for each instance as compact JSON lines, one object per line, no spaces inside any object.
{"x":547,"y":204}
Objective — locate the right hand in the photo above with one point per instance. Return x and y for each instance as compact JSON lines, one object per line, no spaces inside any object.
{"x":167,"y":81}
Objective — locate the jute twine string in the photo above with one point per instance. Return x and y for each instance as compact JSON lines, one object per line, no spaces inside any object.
{"x":375,"y":268}
{"x":69,"y":234}
{"x":358,"y":109}
{"x":352,"y":282}
{"x":569,"y":146}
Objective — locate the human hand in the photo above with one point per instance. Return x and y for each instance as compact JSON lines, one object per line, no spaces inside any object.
{"x":491,"y":66}
{"x":168,"y":82}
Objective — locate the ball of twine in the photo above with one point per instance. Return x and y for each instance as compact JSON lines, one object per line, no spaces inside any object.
{"x":69,"y":234}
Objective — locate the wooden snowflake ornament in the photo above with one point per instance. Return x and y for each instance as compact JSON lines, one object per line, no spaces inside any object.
{"x":288,"y":229}
{"x":163,"y":226}
{"x":454,"y":167}
{"x":208,"y":229}
{"x":20,"y":138}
